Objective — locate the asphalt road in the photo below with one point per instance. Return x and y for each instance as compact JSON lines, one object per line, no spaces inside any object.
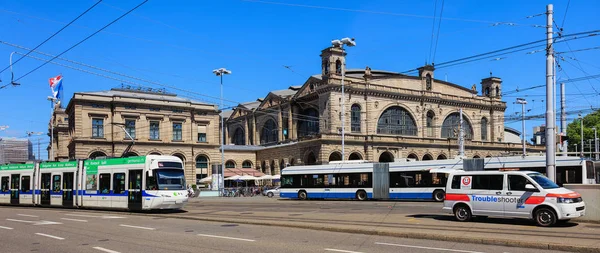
{"x":25,"y":229}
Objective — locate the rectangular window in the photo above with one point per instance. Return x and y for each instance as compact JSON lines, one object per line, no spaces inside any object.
{"x":177,"y":111}
{"x":154,"y":109}
{"x":150,"y":182}
{"x":104,"y":183}
{"x":130,"y":107}
{"x":177,"y":131}
{"x":456,"y":182}
{"x":25,"y":184}
{"x":97,"y":128}
{"x":154,"y":130}
{"x":97,"y":106}
{"x":66,"y":120}
{"x":5,"y":186}
{"x":517,"y":183}
{"x":130,"y":127}
{"x":119,"y":183}
{"x":201,"y":133}
{"x":56,"y":183}
{"x":487,"y":182}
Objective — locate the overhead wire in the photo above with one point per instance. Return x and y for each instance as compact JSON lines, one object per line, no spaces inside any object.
{"x":432,"y":30}
{"x":437,"y":37}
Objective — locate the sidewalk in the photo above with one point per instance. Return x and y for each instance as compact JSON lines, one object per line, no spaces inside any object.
{"x":573,"y":236}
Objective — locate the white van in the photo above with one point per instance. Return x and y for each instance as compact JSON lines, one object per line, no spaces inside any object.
{"x":510,"y":194}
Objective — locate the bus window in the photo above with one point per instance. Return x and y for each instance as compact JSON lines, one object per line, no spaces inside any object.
{"x":5,"y":187}
{"x":25,"y":184}
{"x":317,"y":180}
{"x":56,"y":183}
{"x":119,"y":183}
{"x":287,"y":181}
{"x":104,"y":183}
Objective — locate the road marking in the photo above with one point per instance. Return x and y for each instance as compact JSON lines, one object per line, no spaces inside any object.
{"x":341,"y":250}
{"x":106,"y":250}
{"x":74,"y":220}
{"x":94,"y":216}
{"x":130,"y":226}
{"x":430,"y":248}
{"x":5,"y":228}
{"x":27,"y":215}
{"x":225,"y":237}
{"x":51,"y":236}
{"x":43,"y":222}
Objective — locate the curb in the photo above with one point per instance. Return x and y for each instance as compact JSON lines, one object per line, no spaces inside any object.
{"x":412,"y":235}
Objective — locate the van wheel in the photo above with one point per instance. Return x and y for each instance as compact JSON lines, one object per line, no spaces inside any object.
{"x":270,"y":194}
{"x":462,"y":213}
{"x":545,"y":217}
{"x":439,"y":195}
{"x":361,"y":195}
{"x":302,"y":195}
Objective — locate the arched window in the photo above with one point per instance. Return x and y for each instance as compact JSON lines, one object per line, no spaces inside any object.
{"x":442,"y":157}
{"x":230,"y":164}
{"x":450,"y":127}
{"x":427,"y":157}
{"x":355,"y":156}
{"x":282,"y":165}
{"x":263,"y":167}
{"x":180,"y":156}
{"x":326,"y":67}
{"x":428,"y":82}
{"x":487,"y":91}
{"x":413,"y":156}
{"x":338,"y":67}
{"x":247,"y":164}
{"x":97,"y":154}
{"x":201,"y":162}
{"x":386,"y":157}
{"x":395,"y":120}
{"x":272,"y":167}
{"x":497,"y":91}
{"x":476,"y":156}
{"x":311,"y":159}
{"x":131,"y":154}
{"x":484,"y":128}
{"x":292,"y":161}
{"x":335,"y":156}
{"x":269,"y":132}
{"x":238,"y":137}
{"x":308,"y":122}
{"x":355,"y":118}
{"x":430,"y":124}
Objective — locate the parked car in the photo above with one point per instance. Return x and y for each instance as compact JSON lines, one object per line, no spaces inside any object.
{"x":273,"y":192}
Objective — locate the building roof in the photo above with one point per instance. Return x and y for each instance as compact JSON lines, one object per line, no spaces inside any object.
{"x":132,"y":93}
{"x":284,"y":93}
{"x":227,"y":113}
{"x":358,"y":73}
{"x":251,"y":105}
{"x":512,"y":130}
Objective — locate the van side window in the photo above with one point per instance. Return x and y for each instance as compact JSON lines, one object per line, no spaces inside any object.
{"x":517,"y":183}
{"x":456,"y":182}
{"x":487,"y":182}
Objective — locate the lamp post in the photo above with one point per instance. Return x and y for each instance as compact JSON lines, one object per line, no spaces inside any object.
{"x":52,"y":103}
{"x":523,"y":102}
{"x":596,"y":143}
{"x":340,"y":43}
{"x":12,"y":74}
{"x":220,"y":72}
{"x":581,"y":121}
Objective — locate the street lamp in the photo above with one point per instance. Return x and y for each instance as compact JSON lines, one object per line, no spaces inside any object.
{"x":523,"y":102}
{"x":221,"y":72}
{"x":12,"y":74}
{"x":340,"y":43}
{"x":581,"y":121}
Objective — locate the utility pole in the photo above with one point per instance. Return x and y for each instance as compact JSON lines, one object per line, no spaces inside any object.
{"x":581,"y":128}
{"x":52,"y":103}
{"x":563,"y":119}
{"x":523,"y":102}
{"x":461,"y":136}
{"x":596,"y":144}
{"x":550,"y":124}
{"x":220,"y":72}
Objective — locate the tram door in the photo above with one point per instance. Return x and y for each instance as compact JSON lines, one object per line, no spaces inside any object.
{"x":14,"y":189}
{"x":45,"y":188}
{"x":135,"y":190}
{"x":67,"y":195}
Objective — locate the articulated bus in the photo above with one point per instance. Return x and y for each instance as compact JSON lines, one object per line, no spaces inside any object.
{"x":133,"y":183}
{"x":412,"y":179}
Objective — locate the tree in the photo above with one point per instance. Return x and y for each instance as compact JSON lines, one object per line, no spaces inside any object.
{"x":574,"y":130}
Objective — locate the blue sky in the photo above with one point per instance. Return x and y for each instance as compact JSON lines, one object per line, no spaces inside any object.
{"x":180,"y":43}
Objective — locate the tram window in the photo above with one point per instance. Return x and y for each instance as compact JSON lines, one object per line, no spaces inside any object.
{"x":5,"y":187}
{"x":25,"y":183}
{"x":150,"y":182}
{"x":105,"y":183}
{"x":119,"y":183}
{"x":56,"y":183}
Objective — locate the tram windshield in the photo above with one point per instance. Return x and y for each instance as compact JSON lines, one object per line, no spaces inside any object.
{"x":170,"y":179}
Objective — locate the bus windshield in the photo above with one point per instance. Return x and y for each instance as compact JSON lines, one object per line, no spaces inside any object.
{"x":543,"y":181}
{"x":170,"y":179}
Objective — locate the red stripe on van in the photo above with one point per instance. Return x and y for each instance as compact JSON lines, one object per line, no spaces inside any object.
{"x":535,"y":200}
{"x":566,"y":195}
{"x":457,"y":197}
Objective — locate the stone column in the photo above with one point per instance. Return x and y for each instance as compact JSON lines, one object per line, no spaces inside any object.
{"x":290,"y":119}
{"x":294,"y":123}
{"x":277,"y":169}
{"x":246,"y":139}
{"x":267,"y":168}
{"x":255,"y":140}
{"x":280,"y":124}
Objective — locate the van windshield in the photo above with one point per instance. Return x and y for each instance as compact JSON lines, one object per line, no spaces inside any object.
{"x":543,"y":181}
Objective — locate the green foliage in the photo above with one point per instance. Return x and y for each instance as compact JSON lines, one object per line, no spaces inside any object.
{"x":194,"y":187}
{"x":574,"y":130}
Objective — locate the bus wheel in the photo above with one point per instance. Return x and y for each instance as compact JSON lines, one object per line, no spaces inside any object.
{"x":439,"y":195}
{"x":462,"y":213}
{"x":361,"y":195}
{"x":302,"y":195}
{"x":545,"y":217}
